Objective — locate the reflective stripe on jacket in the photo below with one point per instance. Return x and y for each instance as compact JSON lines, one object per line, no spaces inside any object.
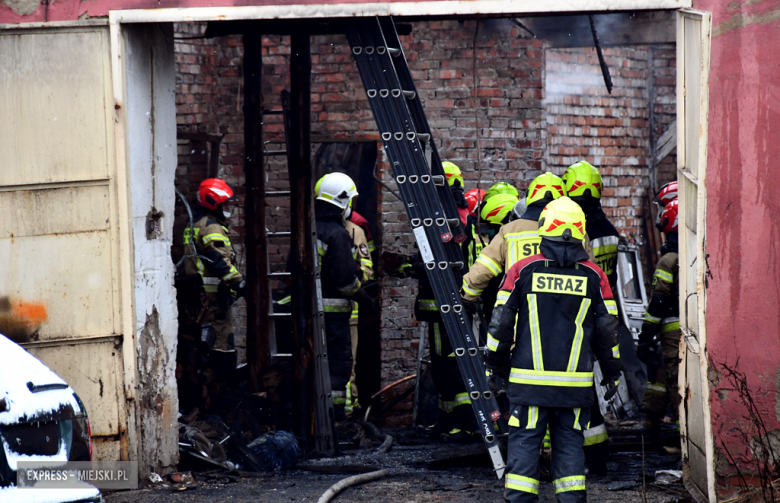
{"x":664,"y":308}
{"x":559,"y":318}
{"x":211,"y":241}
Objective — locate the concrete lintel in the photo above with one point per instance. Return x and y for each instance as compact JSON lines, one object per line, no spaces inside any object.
{"x":399,"y":9}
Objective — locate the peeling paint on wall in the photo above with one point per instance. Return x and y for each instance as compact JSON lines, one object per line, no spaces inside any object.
{"x":744,"y":19}
{"x":22,"y":7}
{"x":151,"y":126}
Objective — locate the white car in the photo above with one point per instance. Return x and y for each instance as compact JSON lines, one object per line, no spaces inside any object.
{"x":41,"y":419}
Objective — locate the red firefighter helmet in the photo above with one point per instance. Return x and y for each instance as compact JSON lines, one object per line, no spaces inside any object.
{"x":474,"y":197}
{"x":213,"y":191}
{"x":667,"y":219}
{"x":667,"y":194}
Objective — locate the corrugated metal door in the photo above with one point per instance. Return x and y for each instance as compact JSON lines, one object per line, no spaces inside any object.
{"x":693,"y":63}
{"x":58,"y":212}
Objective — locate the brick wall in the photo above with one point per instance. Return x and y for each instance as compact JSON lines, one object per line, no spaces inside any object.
{"x":610,"y":131}
{"x":665,"y":105}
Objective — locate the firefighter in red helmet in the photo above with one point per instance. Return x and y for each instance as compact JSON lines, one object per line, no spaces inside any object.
{"x":209,"y":253}
{"x":662,"y":323}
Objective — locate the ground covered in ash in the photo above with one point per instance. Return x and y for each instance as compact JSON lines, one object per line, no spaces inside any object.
{"x":420,"y":471}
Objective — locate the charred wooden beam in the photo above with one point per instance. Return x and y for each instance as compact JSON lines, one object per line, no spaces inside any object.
{"x":600,"y":53}
{"x":615,"y":29}
{"x":285,"y":27}
{"x":313,"y":408}
{"x":257,"y":300}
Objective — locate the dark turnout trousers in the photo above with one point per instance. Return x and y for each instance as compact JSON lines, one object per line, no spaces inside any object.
{"x":339,"y":358}
{"x":526,"y":434}
{"x":454,"y":401}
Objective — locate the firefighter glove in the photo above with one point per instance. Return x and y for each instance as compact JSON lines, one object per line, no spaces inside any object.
{"x":241,"y":289}
{"x":470,"y":306}
{"x":612,"y":387}
{"x":492,"y":380}
{"x":644,"y":350}
{"x":497,"y":363}
{"x":403,"y":271}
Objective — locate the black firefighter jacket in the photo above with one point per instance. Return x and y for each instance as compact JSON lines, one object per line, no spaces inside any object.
{"x":604,"y":239}
{"x":560,"y":314}
{"x":339,"y":273}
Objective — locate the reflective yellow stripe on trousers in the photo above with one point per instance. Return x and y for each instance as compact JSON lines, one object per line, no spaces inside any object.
{"x":520,"y":483}
{"x":573,"y":483}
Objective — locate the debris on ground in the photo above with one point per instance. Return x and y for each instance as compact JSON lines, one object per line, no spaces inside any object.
{"x":276,"y":450}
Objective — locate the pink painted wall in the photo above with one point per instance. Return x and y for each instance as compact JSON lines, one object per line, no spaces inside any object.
{"x":743,"y":219}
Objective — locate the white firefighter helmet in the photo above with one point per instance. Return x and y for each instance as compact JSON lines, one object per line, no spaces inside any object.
{"x":337,"y":189}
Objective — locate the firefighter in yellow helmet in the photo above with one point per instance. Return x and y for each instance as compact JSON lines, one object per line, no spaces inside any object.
{"x":455,"y":181}
{"x":512,"y":242}
{"x":555,"y":299}
{"x":583,"y":184}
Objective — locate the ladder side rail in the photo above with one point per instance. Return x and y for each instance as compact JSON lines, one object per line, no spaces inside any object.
{"x":392,"y":41}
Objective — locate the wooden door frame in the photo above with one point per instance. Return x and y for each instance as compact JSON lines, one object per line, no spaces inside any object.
{"x":695,"y":343}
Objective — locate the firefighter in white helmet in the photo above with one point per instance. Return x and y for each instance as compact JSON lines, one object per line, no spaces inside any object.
{"x":341,"y":279}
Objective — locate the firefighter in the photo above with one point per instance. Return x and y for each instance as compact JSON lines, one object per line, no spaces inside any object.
{"x":560,"y":315}
{"x":476,"y":241}
{"x":494,"y":214}
{"x":359,"y":220}
{"x":210,"y":254}
{"x":582,"y":184}
{"x":474,"y":198}
{"x":361,"y":254}
{"x":662,"y":322}
{"x":455,"y":181}
{"x":341,"y":278}
{"x":502,"y":188}
{"x":513,"y":242}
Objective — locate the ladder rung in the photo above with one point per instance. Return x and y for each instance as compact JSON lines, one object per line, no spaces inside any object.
{"x":278,"y":234}
{"x":439,"y":180}
{"x":273,"y":112}
{"x":278,"y":193}
{"x":424,"y":137}
{"x":394,"y":51}
{"x":409,"y":95}
{"x":275,"y":152}
{"x":279,"y":315}
{"x":279,"y":274}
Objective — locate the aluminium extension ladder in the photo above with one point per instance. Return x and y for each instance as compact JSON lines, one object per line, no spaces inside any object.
{"x":429,"y":204}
